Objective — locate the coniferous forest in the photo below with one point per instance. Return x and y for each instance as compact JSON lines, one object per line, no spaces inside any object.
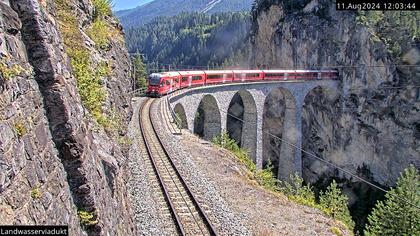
{"x":193,"y":40}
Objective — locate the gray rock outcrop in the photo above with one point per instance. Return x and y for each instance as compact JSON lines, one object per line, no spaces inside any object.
{"x":55,"y":161}
{"x":374,"y":122}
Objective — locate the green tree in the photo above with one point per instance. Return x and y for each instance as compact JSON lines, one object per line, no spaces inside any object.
{"x":191,"y":38}
{"x":334,"y":203}
{"x":397,"y":214}
{"x":139,"y":71}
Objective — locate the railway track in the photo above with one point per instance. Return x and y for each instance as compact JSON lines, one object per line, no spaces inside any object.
{"x":177,"y":201}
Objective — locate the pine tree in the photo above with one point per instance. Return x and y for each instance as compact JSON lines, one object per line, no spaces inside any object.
{"x":334,"y":203}
{"x":139,"y":71}
{"x":397,"y":214}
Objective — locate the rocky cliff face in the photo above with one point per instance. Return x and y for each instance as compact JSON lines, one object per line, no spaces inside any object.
{"x":373,"y":126}
{"x":57,"y":164}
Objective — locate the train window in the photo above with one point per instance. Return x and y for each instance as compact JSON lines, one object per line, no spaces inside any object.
{"x":275,"y":75}
{"x":252,"y":75}
{"x":176,"y":80}
{"x":194,"y":78}
{"x":214,"y":76}
{"x":300,"y":75}
{"x":154,"y":80}
{"x":184,"y":79}
{"x":167,"y":82}
{"x":228,"y":76}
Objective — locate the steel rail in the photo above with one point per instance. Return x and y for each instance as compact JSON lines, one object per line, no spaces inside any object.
{"x":177,"y":219}
{"x":154,"y":165}
{"x":200,"y":210}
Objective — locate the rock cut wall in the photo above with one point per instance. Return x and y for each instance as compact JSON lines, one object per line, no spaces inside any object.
{"x":33,"y":185}
{"x":56,"y":162}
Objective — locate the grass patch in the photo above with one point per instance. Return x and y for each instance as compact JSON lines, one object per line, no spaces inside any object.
{"x":87,"y":218}
{"x":124,"y":141}
{"x":36,"y":193}
{"x":20,"y":129}
{"x":336,"y":231}
{"x":9,"y":70}
{"x":101,"y":33}
{"x":263,"y":177}
{"x":332,"y":201}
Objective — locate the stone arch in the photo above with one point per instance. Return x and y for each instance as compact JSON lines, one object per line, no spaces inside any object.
{"x":279,"y":119}
{"x":242,"y":125}
{"x":320,"y":134}
{"x":181,"y":115}
{"x":207,"y":121}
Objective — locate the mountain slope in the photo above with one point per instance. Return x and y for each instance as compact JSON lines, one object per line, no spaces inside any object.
{"x":145,"y":13}
{"x":194,"y":39}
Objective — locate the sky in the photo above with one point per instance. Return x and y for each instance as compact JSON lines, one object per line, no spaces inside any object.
{"x":127,"y":4}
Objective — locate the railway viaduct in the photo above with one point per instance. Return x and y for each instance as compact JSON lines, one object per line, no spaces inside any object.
{"x":216,"y":100}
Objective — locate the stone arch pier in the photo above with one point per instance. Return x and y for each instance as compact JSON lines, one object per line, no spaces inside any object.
{"x":216,"y":102}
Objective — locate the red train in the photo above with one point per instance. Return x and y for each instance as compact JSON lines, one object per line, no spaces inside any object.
{"x":167,"y":82}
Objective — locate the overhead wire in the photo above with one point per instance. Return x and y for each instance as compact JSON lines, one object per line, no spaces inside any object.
{"x":154,"y":64}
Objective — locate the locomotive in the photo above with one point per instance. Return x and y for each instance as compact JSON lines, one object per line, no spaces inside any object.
{"x":163,"y":83}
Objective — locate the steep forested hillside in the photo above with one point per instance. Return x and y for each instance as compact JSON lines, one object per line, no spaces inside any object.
{"x":145,"y":13}
{"x":192,"y":39}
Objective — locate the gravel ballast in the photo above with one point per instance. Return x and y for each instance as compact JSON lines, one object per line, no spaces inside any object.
{"x":234,"y":204}
{"x":147,"y":214}
{"x":239,"y":205}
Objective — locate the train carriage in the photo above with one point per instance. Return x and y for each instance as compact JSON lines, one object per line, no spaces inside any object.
{"x":192,"y":78}
{"x":163,"y":83}
{"x":306,"y":74}
{"x":166,"y":82}
{"x":218,"y":76}
{"x":247,"y":75}
{"x":277,"y":75}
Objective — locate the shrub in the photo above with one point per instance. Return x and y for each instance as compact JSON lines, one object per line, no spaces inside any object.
{"x":332,"y":202}
{"x":88,"y":80}
{"x":266,"y":178}
{"x":263,"y":177}
{"x":102,"y":8}
{"x":226,"y":142}
{"x":124,"y":141}
{"x":88,"y":74}
{"x":87,"y":218}
{"x":296,"y":191}
{"x":89,"y":83}
{"x":397,"y":214}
